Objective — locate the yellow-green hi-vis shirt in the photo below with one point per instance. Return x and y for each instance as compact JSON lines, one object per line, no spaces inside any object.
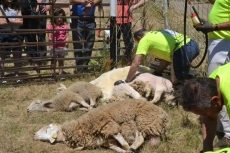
{"x":223,"y":72}
{"x":225,"y":150}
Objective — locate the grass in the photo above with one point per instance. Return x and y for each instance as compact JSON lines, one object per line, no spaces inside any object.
{"x":17,"y":126}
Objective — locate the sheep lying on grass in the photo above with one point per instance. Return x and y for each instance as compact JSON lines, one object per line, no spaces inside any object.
{"x":144,"y":85}
{"x":106,"y":80}
{"x":126,"y":123}
{"x":78,"y":94}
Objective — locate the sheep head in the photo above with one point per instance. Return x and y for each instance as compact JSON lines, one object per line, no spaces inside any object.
{"x":51,"y":133}
{"x":38,"y":105}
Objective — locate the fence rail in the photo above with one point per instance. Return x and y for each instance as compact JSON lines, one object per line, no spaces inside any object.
{"x":158,"y":14}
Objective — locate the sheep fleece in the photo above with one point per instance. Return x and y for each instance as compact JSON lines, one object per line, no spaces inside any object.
{"x":102,"y":122}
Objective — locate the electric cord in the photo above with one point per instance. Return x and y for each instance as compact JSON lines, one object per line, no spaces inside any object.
{"x":206,"y":38}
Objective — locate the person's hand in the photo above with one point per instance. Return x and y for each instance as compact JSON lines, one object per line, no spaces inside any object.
{"x":130,"y":10}
{"x":119,"y":82}
{"x":206,"y":27}
{"x":87,"y":9}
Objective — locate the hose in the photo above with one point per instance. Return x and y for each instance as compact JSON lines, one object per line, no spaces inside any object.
{"x":206,"y":37}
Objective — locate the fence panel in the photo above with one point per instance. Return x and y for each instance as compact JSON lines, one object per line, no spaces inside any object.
{"x":160,"y":14}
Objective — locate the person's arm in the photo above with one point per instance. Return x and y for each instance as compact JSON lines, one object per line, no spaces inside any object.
{"x":212,"y":1}
{"x":137,"y":5}
{"x":208,"y":132}
{"x":133,"y":68}
{"x":18,"y":21}
{"x":83,"y":2}
{"x":221,"y":26}
{"x":67,"y":38}
{"x":97,"y":2}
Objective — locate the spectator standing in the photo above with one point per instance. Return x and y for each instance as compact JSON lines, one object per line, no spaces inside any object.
{"x":124,"y":24}
{"x":218,"y":29}
{"x":44,"y":9}
{"x":10,"y":8}
{"x":83,"y":30}
{"x":30,"y":7}
{"x":167,"y":45}
{"x":60,"y":37}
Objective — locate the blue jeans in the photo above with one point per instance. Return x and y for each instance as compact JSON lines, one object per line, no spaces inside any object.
{"x":11,"y":39}
{"x":83,"y":34}
{"x":180,"y":63}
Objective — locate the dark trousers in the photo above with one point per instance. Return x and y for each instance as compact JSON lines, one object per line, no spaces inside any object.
{"x":29,"y":36}
{"x":125,"y":30}
{"x":80,"y":35}
{"x":42,"y":37}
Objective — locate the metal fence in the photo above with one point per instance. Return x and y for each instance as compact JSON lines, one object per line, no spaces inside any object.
{"x":158,"y":14}
{"x":169,"y":14}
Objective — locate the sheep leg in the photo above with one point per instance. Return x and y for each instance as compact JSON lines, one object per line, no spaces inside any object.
{"x":130,"y":91}
{"x":78,"y":99}
{"x":116,"y":148}
{"x":139,"y":140}
{"x":92,"y":102}
{"x":79,"y":148}
{"x":122,"y":141}
{"x":157,"y":95}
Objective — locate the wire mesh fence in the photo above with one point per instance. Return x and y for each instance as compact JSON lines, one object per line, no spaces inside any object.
{"x":158,"y":14}
{"x":169,"y":14}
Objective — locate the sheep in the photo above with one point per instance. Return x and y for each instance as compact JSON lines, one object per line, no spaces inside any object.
{"x":145,"y":85}
{"x":78,"y":94}
{"x":159,"y":85}
{"x":106,"y":125}
{"x":106,"y":80}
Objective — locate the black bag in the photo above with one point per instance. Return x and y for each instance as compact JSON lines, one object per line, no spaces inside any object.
{"x":28,"y":7}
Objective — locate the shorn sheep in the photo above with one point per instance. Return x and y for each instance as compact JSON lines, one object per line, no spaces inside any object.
{"x":107,"y":79}
{"x":78,"y":94}
{"x":121,"y":126}
{"x":145,"y":85}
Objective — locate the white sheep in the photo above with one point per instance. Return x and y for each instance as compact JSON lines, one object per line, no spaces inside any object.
{"x":160,"y":85}
{"x":78,"y":94}
{"x":128,"y":123}
{"x":144,"y":85}
{"x":106,"y":80}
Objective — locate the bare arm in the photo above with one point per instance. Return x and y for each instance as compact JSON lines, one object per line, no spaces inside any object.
{"x":97,"y":2}
{"x":133,"y":68}
{"x":67,"y":39}
{"x":83,"y":2}
{"x":137,"y":5}
{"x":208,"y":132}
{"x":212,"y":1}
{"x":18,"y":20}
{"x":222,"y":26}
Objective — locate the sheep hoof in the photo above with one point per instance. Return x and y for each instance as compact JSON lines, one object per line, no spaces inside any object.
{"x":79,"y":148}
{"x":84,"y":109}
{"x":153,"y":102}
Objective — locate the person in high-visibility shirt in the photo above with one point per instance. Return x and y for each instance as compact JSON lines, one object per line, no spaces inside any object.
{"x":206,"y":97}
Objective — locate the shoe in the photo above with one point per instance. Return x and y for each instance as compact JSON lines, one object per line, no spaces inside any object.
{"x":4,"y":82}
{"x":62,"y":79}
{"x":19,"y":81}
{"x":220,"y":135}
{"x":222,"y":143}
{"x":51,"y":79}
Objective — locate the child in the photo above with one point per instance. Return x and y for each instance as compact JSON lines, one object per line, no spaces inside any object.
{"x":59,"y":37}
{"x":10,"y":8}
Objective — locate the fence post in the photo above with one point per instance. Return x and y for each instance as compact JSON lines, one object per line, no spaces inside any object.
{"x":113,"y":32}
{"x":165,"y":13}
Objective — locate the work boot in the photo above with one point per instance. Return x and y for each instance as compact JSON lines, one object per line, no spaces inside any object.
{"x":222,"y":143}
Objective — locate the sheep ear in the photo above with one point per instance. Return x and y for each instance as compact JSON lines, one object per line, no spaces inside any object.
{"x":48,"y":105}
{"x":53,"y":137}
